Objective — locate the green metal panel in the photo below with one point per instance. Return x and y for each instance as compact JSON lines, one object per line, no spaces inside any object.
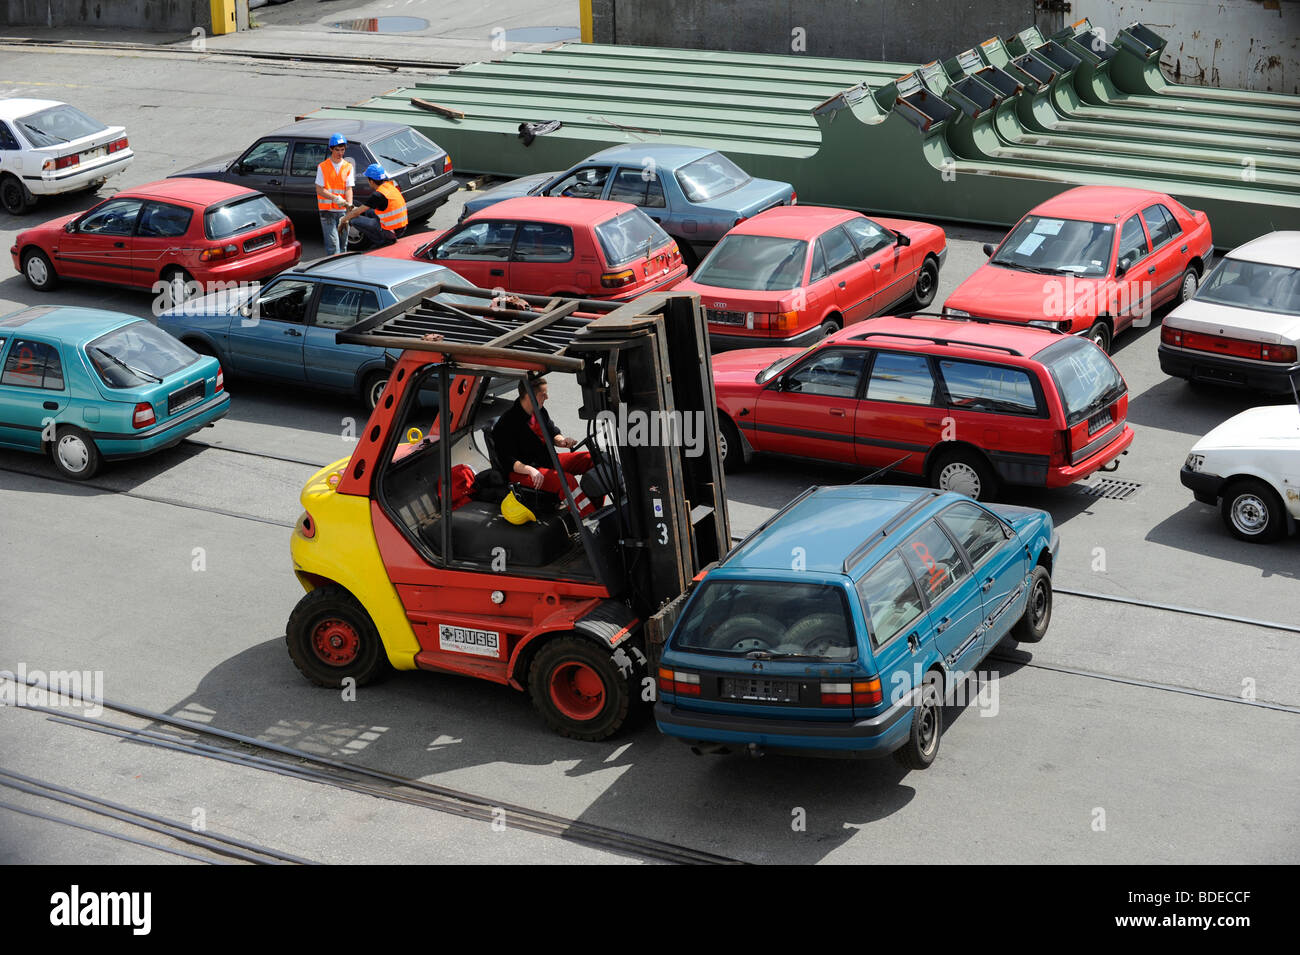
{"x":844,"y":135}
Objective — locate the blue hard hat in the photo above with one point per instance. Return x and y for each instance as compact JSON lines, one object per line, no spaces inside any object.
{"x":338,"y":139}
{"x":376,"y":172}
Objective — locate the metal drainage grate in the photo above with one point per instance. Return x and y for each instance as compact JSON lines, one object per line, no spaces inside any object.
{"x":1110,"y":489}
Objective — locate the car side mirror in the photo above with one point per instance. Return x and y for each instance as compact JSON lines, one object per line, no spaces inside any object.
{"x":70,"y":226}
{"x":246,"y":310}
{"x":240,"y":168}
{"x":1122,"y":267}
{"x":902,"y":240}
{"x":989,"y":249}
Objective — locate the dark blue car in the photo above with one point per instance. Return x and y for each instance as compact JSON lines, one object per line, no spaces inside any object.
{"x":843,"y":624}
{"x":695,"y":194}
{"x":285,"y":330}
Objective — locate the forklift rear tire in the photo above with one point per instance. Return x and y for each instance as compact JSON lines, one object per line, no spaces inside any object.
{"x":579,"y":690}
{"x":331,"y":638}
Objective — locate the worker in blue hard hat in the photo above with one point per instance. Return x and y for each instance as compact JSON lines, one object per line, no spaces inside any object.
{"x":382,"y":217}
{"x":335,"y":179}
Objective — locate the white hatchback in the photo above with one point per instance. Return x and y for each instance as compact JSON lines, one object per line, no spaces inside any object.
{"x":48,"y":148}
{"x":1242,"y":327}
{"x":1250,"y":467}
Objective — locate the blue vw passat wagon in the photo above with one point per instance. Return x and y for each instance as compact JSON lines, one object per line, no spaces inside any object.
{"x":840,"y":626}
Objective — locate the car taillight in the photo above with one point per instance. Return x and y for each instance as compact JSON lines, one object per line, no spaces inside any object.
{"x":143,"y":416}
{"x":1282,"y":353}
{"x":221,"y":381}
{"x":286,"y":233}
{"x":861,"y":692}
{"x":794,"y":198}
{"x":306,"y":526}
{"x":1171,"y":336}
{"x":1224,"y":345}
{"x":117,"y":145}
{"x":63,"y":162}
{"x":1061,"y":446}
{"x":446,"y":163}
{"x":679,"y":681}
{"x":219,"y":252}
{"x":739,"y":220}
{"x":618,"y":279}
{"x":774,"y":321}
{"x":867,"y":692}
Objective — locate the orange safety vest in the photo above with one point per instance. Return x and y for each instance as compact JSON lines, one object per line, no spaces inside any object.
{"x":336,"y":184}
{"x":394,"y":217}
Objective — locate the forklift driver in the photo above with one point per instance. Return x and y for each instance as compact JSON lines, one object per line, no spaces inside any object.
{"x":519,"y":437}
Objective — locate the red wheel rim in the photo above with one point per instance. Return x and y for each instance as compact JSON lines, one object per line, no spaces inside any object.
{"x":335,"y":642}
{"x":577,"y":691}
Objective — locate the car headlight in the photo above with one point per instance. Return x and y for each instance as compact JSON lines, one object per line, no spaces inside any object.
{"x":1194,"y":462}
{"x":1062,"y":325}
{"x":954,"y":313}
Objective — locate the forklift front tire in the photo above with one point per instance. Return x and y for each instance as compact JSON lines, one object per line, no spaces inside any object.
{"x":579,"y":690}
{"x":331,"y":638}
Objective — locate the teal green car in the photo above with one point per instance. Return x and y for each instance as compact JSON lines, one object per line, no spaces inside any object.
{"x":87,"y":386}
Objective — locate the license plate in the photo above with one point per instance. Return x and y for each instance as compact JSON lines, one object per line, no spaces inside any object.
{"x":420,"y":175}
{"x":95,"y":153}
{"x":259,"y":242}
{"x":761,"y":691}
{"x":183,"y":398}
{"x":1102,"y":419}
{"x":719,"y":317}
{"x":482,"y":643}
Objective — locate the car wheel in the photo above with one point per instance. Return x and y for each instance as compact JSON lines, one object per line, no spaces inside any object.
{"x":74,"y":453}
{"x":39,"y":271}
{"x":964,"y":472}
{"x":178,"y":289}
{"x":331,"y":638}
{"x":1188,"y":286}
{"x":689,"y":258}
{"x":831,"y":326}
{"x":1100,"y":335}
{"x":1252,"y":511}
{"x":14,"y":196}
{"x":1032,"y":625}
{"x":927,"y":726}
{"x":927,"y":284}
{"x":356,"y":241}
{"x":372,"y":389}
{"x":730,"y":450}
{"x":579,"y":690}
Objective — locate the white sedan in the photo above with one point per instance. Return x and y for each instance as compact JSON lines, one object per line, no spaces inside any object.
{"x":1242,"y":327}
{"x":48,"y":148}
{"x":1250,"y":467}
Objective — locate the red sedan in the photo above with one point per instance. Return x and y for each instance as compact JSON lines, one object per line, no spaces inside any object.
{"x":585,"y":248}
{"x":184,"y":233}
{"x":794,"y":274}
{"x":1091,"y":261}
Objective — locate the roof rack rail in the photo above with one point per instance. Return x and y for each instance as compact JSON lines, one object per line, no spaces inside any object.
{"x":981,"y":320}
{"x":762,"y":527}
{"x":894,"y":522}
{"x":536,"y":336}
{"x":936,"y":340}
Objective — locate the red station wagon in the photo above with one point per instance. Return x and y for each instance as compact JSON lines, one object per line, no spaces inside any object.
{"x":965,"y":404}
{"x":794,"y":274}
{"x":1092,"y":261}
{"x":584,"y":248}
{"x":174,"y":231}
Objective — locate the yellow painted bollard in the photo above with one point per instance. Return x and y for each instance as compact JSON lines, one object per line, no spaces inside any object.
{"x":223,"y":17}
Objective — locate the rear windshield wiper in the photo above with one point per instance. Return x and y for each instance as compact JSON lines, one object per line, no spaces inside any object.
{"x":135,"y":371}
{"x":41,"y":132}
{"x":400,"y":162}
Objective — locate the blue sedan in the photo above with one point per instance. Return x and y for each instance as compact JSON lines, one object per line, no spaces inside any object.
{"x":846,"y":622}
{"x":86,"y":385}
{"x":285,"y":331}
{"x":696,"y":195}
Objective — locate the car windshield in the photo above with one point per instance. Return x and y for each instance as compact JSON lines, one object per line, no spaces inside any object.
{"x":781,"y":364}
{"x":138,"y":354}
{"x":629,"y":235}
{"x":769,"y":618}
{"x":1242,"y":284}
{"x":407,"y":148}
{"x":709,"y":177}
{"x":758,"y":263}
{"x":1084,"y":376}
{"x":58,"y":124}
{"x":1057,"y":247}
{"x":415,"y":286}
{"x":242,"y":215}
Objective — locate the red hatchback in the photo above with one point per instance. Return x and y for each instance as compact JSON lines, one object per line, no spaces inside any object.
{"x":794,"y":274}
{"x":967,"y":405}
{"x":176,"y":231}
{"x":584,"y":248}
{"x":1092,"y":261}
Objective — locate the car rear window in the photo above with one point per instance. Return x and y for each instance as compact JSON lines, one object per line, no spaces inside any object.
{"x":798,"y":620}
{"x":57,"y":124}
{"x":1057,"y":246}
{"x":1268,"y":288}
{"x":757,"y":263}
{"x":628,"y":236}
{"x":242,"y":215}
{"x":138,"y":354}
{"x":709,"y":177}
{"x":1084,"y":376}
{"x":407,"y":148}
